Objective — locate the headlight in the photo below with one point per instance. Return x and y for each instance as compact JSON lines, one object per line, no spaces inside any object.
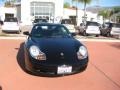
{"x":82,"y":53}
{"x":36,"y":53}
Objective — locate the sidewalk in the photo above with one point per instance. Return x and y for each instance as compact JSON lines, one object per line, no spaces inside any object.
{"x":80,"y":39}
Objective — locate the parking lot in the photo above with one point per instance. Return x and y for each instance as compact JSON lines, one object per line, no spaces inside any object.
{"x":102,"y":72}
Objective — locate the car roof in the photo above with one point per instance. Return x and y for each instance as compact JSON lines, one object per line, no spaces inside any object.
{"x":48,"y":24}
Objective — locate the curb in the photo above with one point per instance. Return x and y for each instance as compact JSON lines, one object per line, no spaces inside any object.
{"x":88,"y":40}
{"x":13,"y":38}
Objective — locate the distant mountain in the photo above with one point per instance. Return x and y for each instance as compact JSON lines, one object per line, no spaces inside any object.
{"x":96,"y":9}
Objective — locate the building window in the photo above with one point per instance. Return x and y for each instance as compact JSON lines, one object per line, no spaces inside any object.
{"x":42,"y":9}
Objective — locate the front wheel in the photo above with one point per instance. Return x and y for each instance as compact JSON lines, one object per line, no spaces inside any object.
{"x":97,"y":35}
{"x":84,"y":33}
{"x":108,"y":34}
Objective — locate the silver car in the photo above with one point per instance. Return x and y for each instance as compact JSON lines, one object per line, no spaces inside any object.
{"x":91,"y":28}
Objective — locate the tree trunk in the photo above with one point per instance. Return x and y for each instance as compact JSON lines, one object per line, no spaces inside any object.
{"x":84,"y":20}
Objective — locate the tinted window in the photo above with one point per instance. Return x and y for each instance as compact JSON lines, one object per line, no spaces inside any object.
{"x":92,"y":24}
{"x":49,"y":31}
{"x":116,"y":25}
{"x":40,"y":20}
{"x":66,"y":21}
{"x":11,"y":20}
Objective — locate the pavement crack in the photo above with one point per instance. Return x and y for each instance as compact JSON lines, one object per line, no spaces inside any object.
{"x":105,"y":75}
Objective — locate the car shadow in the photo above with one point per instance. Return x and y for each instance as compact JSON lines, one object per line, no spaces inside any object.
{"x":20,"y":56}
{"x":115,"y":45}
{"x":0,"y":88}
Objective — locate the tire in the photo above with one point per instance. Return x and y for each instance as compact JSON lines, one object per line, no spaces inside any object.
{"x":19,"y":32}
{"x":97,"y":35}
{"x":84,"y":33}
{"x":108,"y":34}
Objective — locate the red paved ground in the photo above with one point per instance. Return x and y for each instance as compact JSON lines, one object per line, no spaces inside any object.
{"x":103,"y":72}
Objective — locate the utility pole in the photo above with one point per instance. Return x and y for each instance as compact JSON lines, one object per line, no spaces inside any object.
{"x":76,"y":12}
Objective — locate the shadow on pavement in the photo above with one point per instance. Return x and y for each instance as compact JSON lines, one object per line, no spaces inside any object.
{"x":115,"y":45}
{"x":0,"y":88}
{"x":20,"y":57}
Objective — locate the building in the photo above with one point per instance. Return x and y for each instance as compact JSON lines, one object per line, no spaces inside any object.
{"x":28,"y":10}
{"x":90,"y":16}
{"x":7,"y":12}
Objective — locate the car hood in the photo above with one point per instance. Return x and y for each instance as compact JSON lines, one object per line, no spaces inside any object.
{"x":58,"y":49}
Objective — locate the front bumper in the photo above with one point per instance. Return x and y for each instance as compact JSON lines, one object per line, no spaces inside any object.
{"x":11,"y":29}
{"x":93,"y":32}
{"x":52,"y":69}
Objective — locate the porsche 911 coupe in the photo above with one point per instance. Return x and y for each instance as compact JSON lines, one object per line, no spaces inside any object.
{"x":51,"y":49}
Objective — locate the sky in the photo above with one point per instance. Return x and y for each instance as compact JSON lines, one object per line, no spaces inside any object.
{"x":103,"y":3}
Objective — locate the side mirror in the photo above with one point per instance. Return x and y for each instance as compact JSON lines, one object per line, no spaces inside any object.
{"x":26,"y":33}
{"x":73,"y":34}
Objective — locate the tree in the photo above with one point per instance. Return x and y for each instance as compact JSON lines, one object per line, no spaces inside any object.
{"x":116,"y":9}
{"x":106,"y":13}
{"x":9,"y":3}
{"x":66,"y":5}
{"x":85,"y":3}
{"x":116,"y":14}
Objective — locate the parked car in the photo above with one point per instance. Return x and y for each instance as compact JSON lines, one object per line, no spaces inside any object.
{"x":11,"y":25}
{"x":111,"y":29}
{"x":68,"y":23}
{"x":1,"y":22}
{"x":51,"y":50}
{"x":40,"y":21}
{"x":91,"y":28}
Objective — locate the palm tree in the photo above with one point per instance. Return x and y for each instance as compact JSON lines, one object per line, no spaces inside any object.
{"x":66,"y":5}
{"x":106,"y":14}
{"x":85,"y":3}
{"x":9,"y":3}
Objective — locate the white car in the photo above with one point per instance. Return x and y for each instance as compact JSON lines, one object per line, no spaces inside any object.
{"x":92,"y":28}
{"x":68,"y":23}
{"x":11,"y":25}
{"x":115,"y":30}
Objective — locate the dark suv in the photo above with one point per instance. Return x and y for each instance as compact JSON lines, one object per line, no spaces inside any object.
{"x":110,"y":29}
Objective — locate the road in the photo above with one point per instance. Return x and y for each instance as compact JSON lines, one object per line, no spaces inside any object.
{"x":103,"y":72}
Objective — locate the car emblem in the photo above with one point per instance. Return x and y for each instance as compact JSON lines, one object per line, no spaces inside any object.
{"x":62,"y":54}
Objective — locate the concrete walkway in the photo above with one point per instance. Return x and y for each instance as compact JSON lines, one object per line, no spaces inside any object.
{"x":80,"y":39}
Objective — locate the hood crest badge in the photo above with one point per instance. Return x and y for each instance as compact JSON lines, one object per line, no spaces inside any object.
{"x":62,"y":54}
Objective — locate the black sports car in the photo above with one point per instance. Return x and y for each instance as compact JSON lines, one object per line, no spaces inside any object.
{"x":51,"y":49}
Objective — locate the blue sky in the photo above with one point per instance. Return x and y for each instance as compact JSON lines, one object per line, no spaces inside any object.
{"x":104,"y":3}
{"x":100,"y":3}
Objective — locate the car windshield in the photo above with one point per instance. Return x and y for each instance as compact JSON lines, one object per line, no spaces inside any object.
{"x":92,"y":24}
{"x":10,"y":20}
{"x":116,"y":25}
{"x":50,"y":31}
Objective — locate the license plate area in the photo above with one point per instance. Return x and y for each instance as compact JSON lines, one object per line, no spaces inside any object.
{"x":64,"y":69}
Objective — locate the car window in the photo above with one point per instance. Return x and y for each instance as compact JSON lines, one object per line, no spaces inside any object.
{"x":116,"y":25}
{"x":10,"y":20}
{"x":49,"y":31}
{"x":66,"y":21}
{"x":92,"y":24}
{"x":40,"y":20}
